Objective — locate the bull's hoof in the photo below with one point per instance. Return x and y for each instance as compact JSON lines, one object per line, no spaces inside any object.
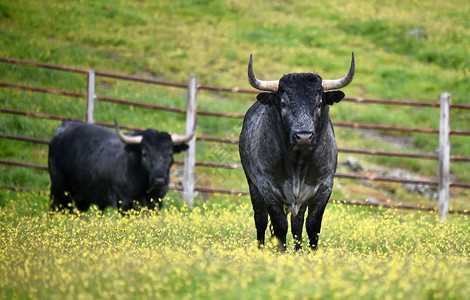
{"x":281,"y":248}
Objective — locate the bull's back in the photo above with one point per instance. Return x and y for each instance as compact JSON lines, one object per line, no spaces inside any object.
{"x":79,"y":150}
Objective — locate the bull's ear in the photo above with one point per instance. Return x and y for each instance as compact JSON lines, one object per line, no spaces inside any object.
{"x":331,"y":98}
{"x":179,"y":148}
{"x":267,"y":98}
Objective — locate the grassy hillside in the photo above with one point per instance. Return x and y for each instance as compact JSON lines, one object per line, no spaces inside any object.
{"x":404,"y":50}
{"x":412,"y":50}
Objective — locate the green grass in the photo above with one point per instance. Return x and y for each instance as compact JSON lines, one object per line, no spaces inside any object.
{"x":209,"y":252}
{"x":404,"y":50}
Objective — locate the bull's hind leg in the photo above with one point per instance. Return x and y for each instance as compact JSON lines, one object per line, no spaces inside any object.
{"x":261,"y":215}
{"x":60,"y":198}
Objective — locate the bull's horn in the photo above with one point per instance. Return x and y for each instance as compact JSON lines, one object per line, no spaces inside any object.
{"x":340,"y":83}
{"x":270,"y":86}
{"x":181,"y":139}
{"x":127,"y":139}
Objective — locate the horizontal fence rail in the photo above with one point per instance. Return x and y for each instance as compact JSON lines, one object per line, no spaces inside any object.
{"x":226,"y":115}
{"x":237,"y":166}
{"x":235,"y":141}
{"x":217,"y":89}
{"x":244,"y":193}
{"x":236,"y":115}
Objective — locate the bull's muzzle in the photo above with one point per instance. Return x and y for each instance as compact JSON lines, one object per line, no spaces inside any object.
{"x":158,"y":181}
{"x":303,"y":138}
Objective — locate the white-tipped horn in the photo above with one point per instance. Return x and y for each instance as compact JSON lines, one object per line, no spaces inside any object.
{"x":340,"y":83}
{"x":181,"y":139}
{"x":262,"y":85}
{"x":127,"y":139}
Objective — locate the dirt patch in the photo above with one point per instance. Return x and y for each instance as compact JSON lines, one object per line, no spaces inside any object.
{"x":392,"y":140}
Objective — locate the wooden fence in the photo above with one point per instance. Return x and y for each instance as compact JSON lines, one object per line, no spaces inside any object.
{"x":444,"y":157}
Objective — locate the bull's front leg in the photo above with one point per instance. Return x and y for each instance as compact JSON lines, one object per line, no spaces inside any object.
{"x":153,"y":200}
{"x":316,"y":208}
{"x":279,"y":223}
{"x":297,"y":224}
{"x":127,"y":204}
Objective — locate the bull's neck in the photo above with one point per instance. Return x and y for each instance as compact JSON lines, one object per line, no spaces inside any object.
{"x":299,"y":155}
{"x":297,"y":163}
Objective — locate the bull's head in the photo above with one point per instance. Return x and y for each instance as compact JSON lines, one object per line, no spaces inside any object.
{"x":156,"y":152}
{"x":303,"y":101}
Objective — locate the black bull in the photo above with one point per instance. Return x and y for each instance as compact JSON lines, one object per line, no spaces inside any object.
{"x":89,"y":164}
{"x":288,"y":152}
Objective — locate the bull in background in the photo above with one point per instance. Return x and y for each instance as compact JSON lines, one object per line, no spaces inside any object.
{"x":89,"y":164}
{"x":288,"y":152}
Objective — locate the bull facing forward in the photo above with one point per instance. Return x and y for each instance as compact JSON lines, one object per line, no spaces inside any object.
{"x":288,"y":152}
{"x":89,"y":164}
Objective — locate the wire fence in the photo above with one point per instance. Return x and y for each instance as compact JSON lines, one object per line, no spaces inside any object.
{"x":357,"y":176}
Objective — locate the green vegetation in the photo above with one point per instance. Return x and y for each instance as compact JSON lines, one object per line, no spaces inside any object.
{"x":209,"y":252}
{"x":404,"y":50}
{"x":412,"y":50}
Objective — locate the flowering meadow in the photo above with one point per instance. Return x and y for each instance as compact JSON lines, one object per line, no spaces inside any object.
{"x":209,"y":252}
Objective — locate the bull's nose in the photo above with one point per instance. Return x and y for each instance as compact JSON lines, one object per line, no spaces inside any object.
{"x":303,"y":137}
{"x":158,"y":181}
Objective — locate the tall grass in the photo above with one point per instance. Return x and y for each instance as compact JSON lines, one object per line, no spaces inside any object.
{"x":210,"y":252}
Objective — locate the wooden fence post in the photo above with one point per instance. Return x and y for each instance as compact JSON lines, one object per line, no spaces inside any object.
{"x":444,"y":156}
{"x":190,"y":155}
{"x":90,"y":98}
